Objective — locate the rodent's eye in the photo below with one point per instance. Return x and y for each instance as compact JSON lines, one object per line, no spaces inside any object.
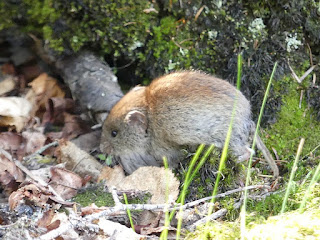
{"x":114,"y":133}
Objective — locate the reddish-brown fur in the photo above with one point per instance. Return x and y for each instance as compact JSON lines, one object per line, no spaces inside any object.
{"x":179,"y":109}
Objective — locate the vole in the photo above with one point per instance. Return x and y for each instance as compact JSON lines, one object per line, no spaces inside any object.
{"x":179,"y":109}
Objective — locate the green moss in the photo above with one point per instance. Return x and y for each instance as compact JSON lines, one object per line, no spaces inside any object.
{"x":116,"y":26}
{"x":291,"y":225}
{"x":216,"y":230}
{"x":261,"y":226}
{"x":98,"y":196}
{"x":293,"y":123}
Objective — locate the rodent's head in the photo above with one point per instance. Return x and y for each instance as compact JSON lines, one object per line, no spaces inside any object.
{"x":125,"y":131}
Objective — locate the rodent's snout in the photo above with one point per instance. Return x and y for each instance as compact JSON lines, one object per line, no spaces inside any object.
{"x":105,"y":148}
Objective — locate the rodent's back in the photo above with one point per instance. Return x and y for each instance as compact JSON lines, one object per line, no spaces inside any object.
{"x":192,"y":107}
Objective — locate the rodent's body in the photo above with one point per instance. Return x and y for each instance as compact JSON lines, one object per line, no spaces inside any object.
{"x":176,"y":110}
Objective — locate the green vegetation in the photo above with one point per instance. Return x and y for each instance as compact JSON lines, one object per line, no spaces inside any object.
{"x":295,"y":121}
{"x":100,"y":197}
{"x":161,"y":36}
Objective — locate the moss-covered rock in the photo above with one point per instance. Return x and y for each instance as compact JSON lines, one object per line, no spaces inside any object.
{"x":154,"y":37}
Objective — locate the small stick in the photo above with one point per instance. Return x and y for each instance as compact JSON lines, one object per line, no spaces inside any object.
{"x":159,"y":207}
{"x":301,"y":97}
{"x":41,"y":150}
{"x":115,"y":196}
{"x":213,"y":216}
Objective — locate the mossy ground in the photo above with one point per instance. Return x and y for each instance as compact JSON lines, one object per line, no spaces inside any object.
{"x":291,"y":225}
{"x":295,"y":120}
{"x":170,"y":37}
{"x":100,"y":197}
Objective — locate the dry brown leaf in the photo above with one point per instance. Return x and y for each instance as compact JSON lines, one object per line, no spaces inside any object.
{"x":14,"y":111}
{"x":10,"y":175}
{"x":10,"y":141}
{"x":17,"y":123}
{"x":55,"y":109}
{"x":73,"y":126}
{"x":61,"y":219}
{"x":7,"y":85}
{"x":151,"y":179}
{"x":65,"y":182}
{"x":31,"y":192}
{"x":46,"y":219}
{"x":34,"y":141}
{"x":78,"y":160}
{"x":43,"y":87}
{"x":30,"y":71}
{"x":8,"y":68}
{"x":157,"y":230}
{"x":92,"y":208}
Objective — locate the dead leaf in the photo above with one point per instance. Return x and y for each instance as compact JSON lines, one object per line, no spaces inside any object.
{"x":14,"y":111}
{"x":92,"y":208}
{"x":31,"y":192}
{"x":14,"y":107}
{"x":64,"y":182}
{"x":151,"y":179}
{"x":30,"y":71}
{"x":34,"y":141}
{"x":43,"y":87}
{"x":74,"y":126}
{"x":8,"y":68}
{"x":78,"y":160}
{"x":8,"y":84}
{"x":10,"y":141}
{"x":61,"y":219}
{"x":157,"y":230}
{"x":17,"y":123}
{"x":46,"y":219}
{"x":55,"y":109}
{"x":113,"y":175}
{"x":10,"y":174}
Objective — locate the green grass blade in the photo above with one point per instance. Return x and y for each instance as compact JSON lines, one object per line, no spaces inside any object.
{"x":243,"y":209}
{"x":226,"y":144}
{"x":239,"y":73}
{"x":184,"y":189}
{"x":309,"y":189}
{"x":128,"y":211}
{"x":201,"y":162}
{"x":164,"y":233}
{"x":293,"y":171}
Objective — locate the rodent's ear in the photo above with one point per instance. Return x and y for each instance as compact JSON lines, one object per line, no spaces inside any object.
{"x":136,"y":118}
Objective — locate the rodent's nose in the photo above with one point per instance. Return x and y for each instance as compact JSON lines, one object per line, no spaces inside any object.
{"x":106,"y":148}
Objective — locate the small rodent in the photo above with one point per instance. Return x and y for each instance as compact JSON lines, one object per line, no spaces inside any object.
{"x":179,"y":109}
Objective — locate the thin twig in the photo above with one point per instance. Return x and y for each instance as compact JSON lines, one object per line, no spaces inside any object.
{"x":213,"y":216}
{"x":199,"y":12}
{"x":307,"y":73}
{"x":71,"y":224}
{"x":301,"y":97}
{"x":41,"y":150}
{"x":197,"y":202}
{"x":115,"y":196}
{"x":121,"y":209}
{"x":293,"y":73}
